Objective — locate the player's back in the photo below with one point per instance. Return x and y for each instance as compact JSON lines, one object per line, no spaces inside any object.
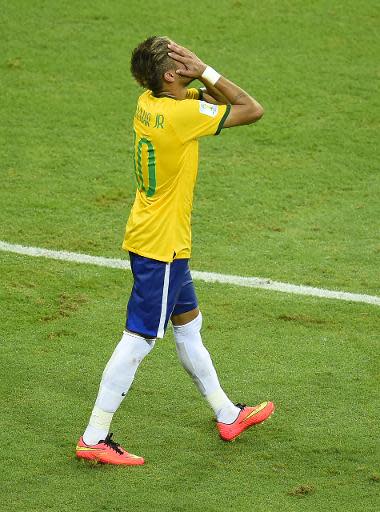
{"x":160,"y":154}
{"x":166,"y":132}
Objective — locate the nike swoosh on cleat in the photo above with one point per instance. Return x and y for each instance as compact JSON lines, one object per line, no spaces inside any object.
{"x":253,"y":413}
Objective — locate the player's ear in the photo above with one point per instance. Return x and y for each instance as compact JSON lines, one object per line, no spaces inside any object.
{"x":170,"y":76}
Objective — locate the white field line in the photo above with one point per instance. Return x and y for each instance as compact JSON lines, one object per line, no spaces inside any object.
{"x":209,"y":277}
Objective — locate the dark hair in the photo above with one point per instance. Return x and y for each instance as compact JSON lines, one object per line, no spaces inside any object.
{"x":150,"y":61}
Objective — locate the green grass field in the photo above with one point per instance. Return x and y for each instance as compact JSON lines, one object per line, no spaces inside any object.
{"x":295,"y":199}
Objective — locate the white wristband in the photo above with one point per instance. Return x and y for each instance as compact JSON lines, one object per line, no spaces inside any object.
{"x":211,"y":75}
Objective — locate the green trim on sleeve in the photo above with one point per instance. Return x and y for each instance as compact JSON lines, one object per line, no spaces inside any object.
{"x":222,"y":121}
{"x":200,"y":92}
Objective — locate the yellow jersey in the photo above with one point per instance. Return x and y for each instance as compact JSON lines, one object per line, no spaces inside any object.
{"x":166,"y":133}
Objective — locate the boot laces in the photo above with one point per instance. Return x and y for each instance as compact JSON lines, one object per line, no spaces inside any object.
{"x":112,"y":444}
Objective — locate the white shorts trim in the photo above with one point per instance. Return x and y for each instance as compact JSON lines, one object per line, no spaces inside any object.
{"x":164,"y":302}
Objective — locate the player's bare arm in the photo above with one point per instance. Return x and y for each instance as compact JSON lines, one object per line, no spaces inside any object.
{"x":245,"y":109}
{"x":212,"y":95}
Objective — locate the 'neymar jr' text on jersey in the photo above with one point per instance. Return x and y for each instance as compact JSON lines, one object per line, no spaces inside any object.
{"x":166,"y":133}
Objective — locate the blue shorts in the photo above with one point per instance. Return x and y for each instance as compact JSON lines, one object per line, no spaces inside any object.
{"x":159,"y":291}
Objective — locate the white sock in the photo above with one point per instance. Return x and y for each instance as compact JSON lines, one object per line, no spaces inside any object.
{"x":197,"y":362}
{"x":117,"y":378}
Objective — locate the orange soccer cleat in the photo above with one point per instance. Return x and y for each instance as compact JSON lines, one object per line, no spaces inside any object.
{"x":248,"y":417}
{"x":107,"y":452}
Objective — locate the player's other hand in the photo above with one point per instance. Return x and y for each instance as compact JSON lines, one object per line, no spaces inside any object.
{"x":192,"y":67}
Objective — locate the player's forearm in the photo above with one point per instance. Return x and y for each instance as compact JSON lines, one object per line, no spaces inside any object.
{"x":245,"y":110}
{"x":211,"y":91}
{"x":249,"y":110}
{"x":234,"y":94}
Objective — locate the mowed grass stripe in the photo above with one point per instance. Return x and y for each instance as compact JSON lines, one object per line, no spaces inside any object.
{"x":250,"y":282}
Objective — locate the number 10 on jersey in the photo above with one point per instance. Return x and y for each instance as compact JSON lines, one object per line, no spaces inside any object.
{"x":145,"y":167}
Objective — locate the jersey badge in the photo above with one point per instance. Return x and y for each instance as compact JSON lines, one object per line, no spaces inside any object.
{"x":208,"y":109}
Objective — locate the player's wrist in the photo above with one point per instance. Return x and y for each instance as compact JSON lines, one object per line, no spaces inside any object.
{"x":199,"y":69}
{"x":210,"y":75}
{"x":202,"y":68}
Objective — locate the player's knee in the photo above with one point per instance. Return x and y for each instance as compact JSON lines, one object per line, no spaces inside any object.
{"x":130,"y":351}
{"x":185,"y":318}
{"x":189,"y":330}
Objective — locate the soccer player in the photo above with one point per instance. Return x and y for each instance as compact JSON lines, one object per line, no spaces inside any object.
{"x":169,"y":120}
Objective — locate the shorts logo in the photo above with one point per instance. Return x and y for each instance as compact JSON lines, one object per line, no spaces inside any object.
{"x":208,"y":109}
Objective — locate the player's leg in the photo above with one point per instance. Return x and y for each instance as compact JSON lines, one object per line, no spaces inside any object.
{"x":231,"y":420}
{"x":117,"y":378}
{"x":195,"y":358}
{"x":96,"y":442}
{"x":144,"y":324}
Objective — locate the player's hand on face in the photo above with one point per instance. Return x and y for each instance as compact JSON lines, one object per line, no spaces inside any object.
{"x":194,"y":67}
